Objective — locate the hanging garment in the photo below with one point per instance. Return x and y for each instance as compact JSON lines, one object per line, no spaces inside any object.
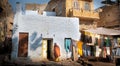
{"x":56,"y":51}
{"x":101,"y":42}
{"x":96,"y":41}
{"x":67,"y":45}
{"x":80,"y":50}
{"x":108,"y":42}
{"x":93,"y":40}
{"x":74,"y":44}
{"x":86,"y":40}
{"x":104,"y":45}
{"x":108,"y":50}
{"x":89,"y":39}
{"x":97,"y":51}
{"x":88,"y":50}
{"x":118,"y":52}
{"x":85,"y":50}
{"x":82,"y":37}
{"x":118,"y":40}
{"x":74,"y":54}
{"x":104,"y":52}
{"x":92,"y":50}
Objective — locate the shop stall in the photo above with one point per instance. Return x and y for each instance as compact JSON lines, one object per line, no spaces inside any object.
{"x":101,"y":42}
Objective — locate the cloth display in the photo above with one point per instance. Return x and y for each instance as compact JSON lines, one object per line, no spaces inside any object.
{"x":104,"y":52}
{"x":96,"y":41}
{"x":67,"y":45}
{"x":118,"y":41}
{"x":118,"y":52}
{"x":97,"y":51}
{"x":85,"y":50}
{"x":108,"y":50}
{"x":80,"y":50}
{"x":101,"y":42}
{"x":96,"y":45}
{"x":108,"y":42}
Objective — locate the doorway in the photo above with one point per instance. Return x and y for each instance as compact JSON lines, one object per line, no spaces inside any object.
{"x":23,"y":45}
{"x":47,"y":49}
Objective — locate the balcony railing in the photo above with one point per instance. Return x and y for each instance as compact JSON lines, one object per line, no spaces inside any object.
{"x":85,"y":14}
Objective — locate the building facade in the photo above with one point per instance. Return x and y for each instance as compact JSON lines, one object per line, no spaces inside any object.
{"x":36,"y":7}
{"x":109,"y":17}
{"x":83,"y":9}
{"x":34,"y":36}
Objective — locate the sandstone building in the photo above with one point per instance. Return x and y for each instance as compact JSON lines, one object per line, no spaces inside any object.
{"x":39,"y":7}
{"x":83,"y":9}
{"x":6,"y":20}
{"x":109,"y":17}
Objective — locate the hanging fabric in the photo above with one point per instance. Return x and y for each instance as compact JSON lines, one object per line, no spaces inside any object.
{"x":80,"y":50}
{"x":56,"y":51}
{"x":67,"y":44}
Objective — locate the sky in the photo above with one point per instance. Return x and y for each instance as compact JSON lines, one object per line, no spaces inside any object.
{"x":97,"y":3}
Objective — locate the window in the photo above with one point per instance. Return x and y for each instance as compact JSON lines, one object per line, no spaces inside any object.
{"x":53,"y":10}
{"x":87,"y":6}
{"x":76,"y":4}
{"x":67,"y":44}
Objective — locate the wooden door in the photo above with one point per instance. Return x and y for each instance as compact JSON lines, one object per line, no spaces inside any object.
{"x":23,"y":45}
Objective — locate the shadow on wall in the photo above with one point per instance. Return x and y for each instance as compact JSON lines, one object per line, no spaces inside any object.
{"x":35,"y":41}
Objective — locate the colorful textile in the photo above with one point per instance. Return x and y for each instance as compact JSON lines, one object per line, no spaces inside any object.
{"x":101,"y":42}
{"x":56,"y":51}
{"x":108,"y":50}
{"x":118,"y":52}
{"x":118,"y":40}
{"x":80,"y":51}
{"x":108,"y":42}
{"x":104,"y":52}
{"x":86,"y":50}
{"x":97,"y":51}
{"x":67,"y":45}
{"x":96,"y":41}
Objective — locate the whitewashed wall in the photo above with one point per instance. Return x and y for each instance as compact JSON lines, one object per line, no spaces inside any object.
{"x":47,"y":13}
{"x":39,"y":27}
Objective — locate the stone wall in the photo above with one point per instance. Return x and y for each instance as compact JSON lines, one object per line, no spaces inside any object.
{"x":66,"y":7}
{"x":109,"y":17}
{"x":6,"y":20}
{"x":39,"y":7}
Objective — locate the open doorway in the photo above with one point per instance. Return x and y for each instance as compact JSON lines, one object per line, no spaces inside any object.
{"x":48,"y":49}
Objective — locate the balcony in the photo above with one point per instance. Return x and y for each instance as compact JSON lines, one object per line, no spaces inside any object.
{"x":85,"y":14}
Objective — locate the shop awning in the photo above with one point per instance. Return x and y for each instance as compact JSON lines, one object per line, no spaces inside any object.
{"x":104,"y":31}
